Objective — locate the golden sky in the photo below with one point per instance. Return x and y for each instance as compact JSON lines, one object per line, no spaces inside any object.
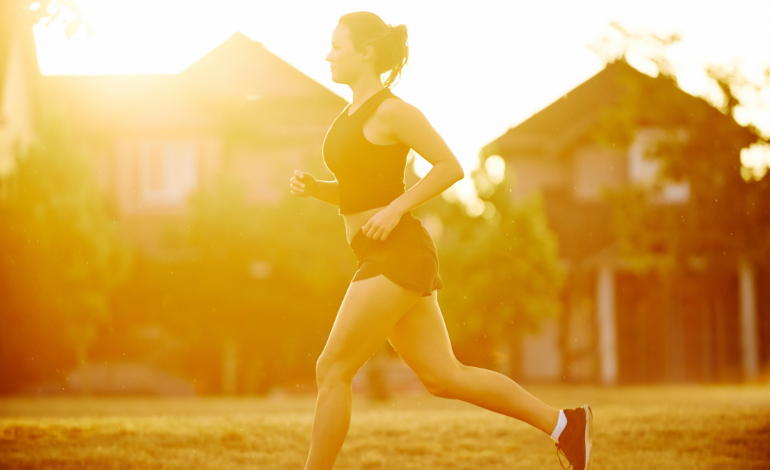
{"x":476,"y":68}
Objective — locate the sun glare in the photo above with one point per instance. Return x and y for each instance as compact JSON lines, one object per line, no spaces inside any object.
{"x":510,"y":61}
{"x":495,"y":166}
{"x":755,"y":161}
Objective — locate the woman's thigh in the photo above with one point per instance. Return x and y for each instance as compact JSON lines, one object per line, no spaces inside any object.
{"x":369,"y":311}
{"x":422,"y":341}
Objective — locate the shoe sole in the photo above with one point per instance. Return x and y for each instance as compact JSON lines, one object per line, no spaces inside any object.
{"x":588,"y":435}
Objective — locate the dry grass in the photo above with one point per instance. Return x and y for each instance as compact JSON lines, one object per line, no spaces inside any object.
{"x":636,"y":428}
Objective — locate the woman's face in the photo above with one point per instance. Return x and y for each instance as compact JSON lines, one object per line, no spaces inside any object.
{"x":345,"y":62}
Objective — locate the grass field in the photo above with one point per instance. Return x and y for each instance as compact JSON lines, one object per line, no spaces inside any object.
{"x":636,"y":428}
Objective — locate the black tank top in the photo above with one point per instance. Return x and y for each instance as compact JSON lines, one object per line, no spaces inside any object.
{"x":368,"y":175}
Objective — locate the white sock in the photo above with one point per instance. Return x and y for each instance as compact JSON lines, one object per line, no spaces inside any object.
{"x":560,"y":425}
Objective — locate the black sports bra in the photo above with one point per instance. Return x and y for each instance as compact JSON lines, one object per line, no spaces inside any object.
{"x":368,"y":175}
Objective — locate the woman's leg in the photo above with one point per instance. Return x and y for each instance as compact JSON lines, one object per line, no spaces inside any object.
{"x":370,"y":309}
{"x":421,"y":339}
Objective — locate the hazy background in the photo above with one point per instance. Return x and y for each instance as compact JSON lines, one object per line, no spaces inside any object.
{"x":164,"y":299}
{"x":475,"y":69}
{"x":613,"y":225}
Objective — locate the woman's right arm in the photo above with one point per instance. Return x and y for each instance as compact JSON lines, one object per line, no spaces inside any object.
{"x":327,"y":191}
{"x":304,"y":185}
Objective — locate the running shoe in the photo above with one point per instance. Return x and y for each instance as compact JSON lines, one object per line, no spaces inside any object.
{"x":575,"y":440}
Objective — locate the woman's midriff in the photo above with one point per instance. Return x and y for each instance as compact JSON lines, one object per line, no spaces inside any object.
{"x":354,"y":222}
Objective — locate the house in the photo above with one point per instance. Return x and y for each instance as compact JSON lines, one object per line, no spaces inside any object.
{"x":620,"y":326}
{"x":156,"y":138}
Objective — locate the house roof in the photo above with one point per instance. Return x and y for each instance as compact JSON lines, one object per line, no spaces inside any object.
{"x":237,"y":71}
{"x":240,"y":66}
{"x":585,"y":228}
{"x":569,"y":118}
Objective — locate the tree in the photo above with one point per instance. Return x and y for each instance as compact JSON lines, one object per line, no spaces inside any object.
{"x":255,"y":298}
{"x":728,"y":212}
{"x":501,"y":272}
{"x":60,"y":259}
{"x":18,"y":16}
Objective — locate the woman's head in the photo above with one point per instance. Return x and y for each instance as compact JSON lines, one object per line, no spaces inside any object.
{"x":362,"y":42}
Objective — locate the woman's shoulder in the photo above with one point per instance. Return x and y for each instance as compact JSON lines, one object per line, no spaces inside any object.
{"x":394,"y":108}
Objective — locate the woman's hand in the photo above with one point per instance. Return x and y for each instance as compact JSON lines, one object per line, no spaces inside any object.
{"x":302,"y":184}
{"x":381,"y":223}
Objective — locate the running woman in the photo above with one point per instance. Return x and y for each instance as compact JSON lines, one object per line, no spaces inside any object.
{"x":393,"y":294}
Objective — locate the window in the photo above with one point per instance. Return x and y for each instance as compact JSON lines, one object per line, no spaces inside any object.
{"x":595,"y":167}
{"x":167,"y":172}
{"x":644,"y":170}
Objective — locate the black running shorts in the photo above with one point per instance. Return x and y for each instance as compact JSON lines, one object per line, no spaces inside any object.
{"x":407,"y":256}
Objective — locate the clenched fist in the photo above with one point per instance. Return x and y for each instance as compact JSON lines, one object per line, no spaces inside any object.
{"x":302,"y":184}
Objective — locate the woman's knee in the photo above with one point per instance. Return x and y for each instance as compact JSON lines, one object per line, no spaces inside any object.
{"x":330,"y":370}
{"x":442,"y":384}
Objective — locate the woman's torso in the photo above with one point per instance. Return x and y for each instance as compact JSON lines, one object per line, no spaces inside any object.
{"x":354,"y":222}
{"x":377,"y":138}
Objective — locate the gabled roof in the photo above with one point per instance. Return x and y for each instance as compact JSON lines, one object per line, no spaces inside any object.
{"x":240,"y":66}
{"x":571,"y":117}
{"x":236,"y":71}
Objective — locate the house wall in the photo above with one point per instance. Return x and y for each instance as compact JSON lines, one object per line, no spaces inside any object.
{"x":535,"y":172}
{"x":687,"y":330}
{"x":682,"y":329}
{"x":577,"y":183}
{"x":763,"y":317}
{"x":578,"y":328}
{"x":266,"y":171}
{"x":540,"y":354}
{"x":154,"y":172}
{"x":148,"y":177}
{"x":128,"y":173}
{"x":594,"y":167}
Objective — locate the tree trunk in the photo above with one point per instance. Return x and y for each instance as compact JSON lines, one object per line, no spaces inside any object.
{"x":229,"y":366}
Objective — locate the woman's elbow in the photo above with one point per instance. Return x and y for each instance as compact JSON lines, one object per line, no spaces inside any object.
{"x":458,"y":172}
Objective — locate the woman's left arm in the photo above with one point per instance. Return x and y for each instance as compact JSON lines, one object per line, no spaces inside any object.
{"x":408,"y":125}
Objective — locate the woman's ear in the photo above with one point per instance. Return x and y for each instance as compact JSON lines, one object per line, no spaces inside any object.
{"x":367,"y":53}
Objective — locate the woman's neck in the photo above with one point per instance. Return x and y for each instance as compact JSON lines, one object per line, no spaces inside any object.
{"x":363,"y":89}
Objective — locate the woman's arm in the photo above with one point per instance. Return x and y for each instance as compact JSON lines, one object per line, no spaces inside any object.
{"x":408,"y":125}
{"x":327,"y":191}
{"x":304,"y":185}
